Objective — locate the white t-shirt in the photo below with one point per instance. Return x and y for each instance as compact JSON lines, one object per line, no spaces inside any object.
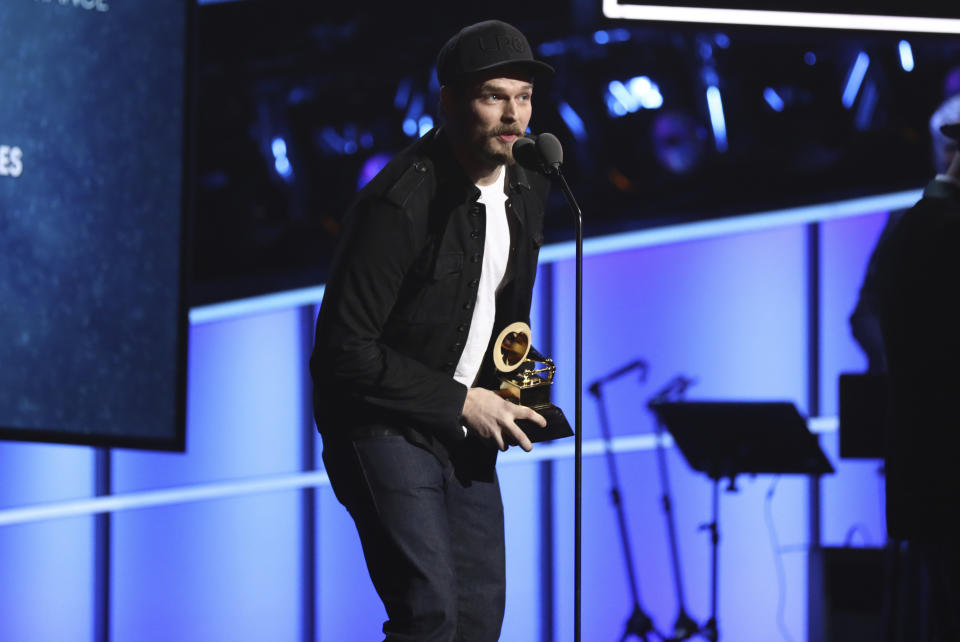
{"x":496,"y":255}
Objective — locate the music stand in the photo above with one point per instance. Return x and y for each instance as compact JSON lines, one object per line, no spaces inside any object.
{"x":724,"y":439}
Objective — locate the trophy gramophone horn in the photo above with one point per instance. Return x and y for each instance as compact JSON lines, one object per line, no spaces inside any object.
{"x":524,"y":382}
{"x":512,"y":347}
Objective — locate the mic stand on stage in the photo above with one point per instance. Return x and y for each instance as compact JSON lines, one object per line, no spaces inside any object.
{"x":546,"y":154}
{"x":578,"y":407}
{"x":684,"y":627}
{"x":639,"y":623}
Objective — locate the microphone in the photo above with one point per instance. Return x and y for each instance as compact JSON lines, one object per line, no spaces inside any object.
{"x":541,"y":153}
{"x":594,"y":387}
{"x":551,"y":152}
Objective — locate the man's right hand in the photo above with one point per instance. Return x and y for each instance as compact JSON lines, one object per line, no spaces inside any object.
{"x":493,"y":417}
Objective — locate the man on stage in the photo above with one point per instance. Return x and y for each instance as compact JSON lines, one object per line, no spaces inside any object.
{"x":438,"y":254}
{"x":919,"y":275}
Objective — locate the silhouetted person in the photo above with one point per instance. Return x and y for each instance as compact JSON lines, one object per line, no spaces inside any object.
{"x":918,"y":276}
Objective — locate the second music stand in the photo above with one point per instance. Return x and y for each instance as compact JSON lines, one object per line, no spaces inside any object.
{"x":724,"y":439}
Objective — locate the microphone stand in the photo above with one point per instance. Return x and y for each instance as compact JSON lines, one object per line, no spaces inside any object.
{"x":684,"y":627}
{"x":547,"y":154}
{"x":578,"y":404}
{"x":639,"y":624}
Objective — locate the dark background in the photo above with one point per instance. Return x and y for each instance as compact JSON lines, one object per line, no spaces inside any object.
{"x":336,"y":84}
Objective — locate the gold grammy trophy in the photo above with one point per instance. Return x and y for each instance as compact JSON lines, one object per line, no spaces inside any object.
{"x":524,"y":382}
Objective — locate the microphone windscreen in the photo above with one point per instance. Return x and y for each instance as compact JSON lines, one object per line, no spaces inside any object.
{"x":525,"y":152}
{"x":551,"y":152}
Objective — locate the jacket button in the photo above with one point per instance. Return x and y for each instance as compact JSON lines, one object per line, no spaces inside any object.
{"x":462,"y":327}
{"x":467,"y":306}
{"x":450,"y":364}
{"x":474,"y":283}
{"x":475,"y":234}
{"x":420,"y":167}
{"x":475,"y":210}
{"x":476,"y":258}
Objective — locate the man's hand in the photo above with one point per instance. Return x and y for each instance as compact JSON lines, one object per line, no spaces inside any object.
{"x":493,"y":417}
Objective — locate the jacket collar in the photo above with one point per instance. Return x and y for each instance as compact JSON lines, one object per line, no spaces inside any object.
{"x":942,"y":189}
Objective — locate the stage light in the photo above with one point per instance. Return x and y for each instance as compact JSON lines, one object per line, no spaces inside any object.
{"x":402,"y":96}
{"x":333,"y":140}
{"x":810,"y":58}
{"x":773,"y":99}
{"x":615,"y":107}
{"x":425,"y":124}
{"x":280,"y":161}
{"x":717,"y":121}
{"x":554,"y":48}
{"x":636,"y":93}
{"x":722,"y":40}
{"x":867,"y":104}
{"x":713,"y":15}
{"x":855,"y":79}
{"x":646,"y":92}
{"x":371,"y":167}
{"x":623,"y":96}
{"x":604,"y":36}
{"x":411,"y":125}
{"x":906,"y":55}
{"x":573,"y":121}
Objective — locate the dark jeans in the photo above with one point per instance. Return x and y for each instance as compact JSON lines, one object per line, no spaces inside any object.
{"x":434,"y":544}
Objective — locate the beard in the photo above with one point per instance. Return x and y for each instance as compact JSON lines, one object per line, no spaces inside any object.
{"x":491,"y":151}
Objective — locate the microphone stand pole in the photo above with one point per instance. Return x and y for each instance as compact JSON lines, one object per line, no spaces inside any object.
{"x":578,"y":405}
{"x":639,"y":623}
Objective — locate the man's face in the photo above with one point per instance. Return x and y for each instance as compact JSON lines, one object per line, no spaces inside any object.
{"x":490,"y":115}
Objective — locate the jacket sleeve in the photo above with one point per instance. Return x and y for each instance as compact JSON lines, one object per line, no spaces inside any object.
{"x":380,"y":243}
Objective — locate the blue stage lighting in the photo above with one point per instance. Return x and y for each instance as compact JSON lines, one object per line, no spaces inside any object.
{"x":906,"y":55}
{"x":855,"y":79}
{"x":425,"y":124}
{"x":810,"y":58}
{"x":573,"y":121}
{"x":773,"y":99}
{"x":371,"y":167}
{"x":332,"y":139}
{"x":281,"y":163}
{"x":646,"y":92}
{"x":601,"y":37}
{"x":717,"y":121}
{"x":554,"y":48}
{"x":619,"y":91}
{"x":867,"y":104}
{"x":410,"y":127}
{"x":615,"y":107}
{"x":402,"y":96}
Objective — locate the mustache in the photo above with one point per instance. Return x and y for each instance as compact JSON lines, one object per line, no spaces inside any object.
{"x":506,"y":131}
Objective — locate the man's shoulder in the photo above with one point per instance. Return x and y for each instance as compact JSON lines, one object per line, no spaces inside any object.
{"x":407,"y":180}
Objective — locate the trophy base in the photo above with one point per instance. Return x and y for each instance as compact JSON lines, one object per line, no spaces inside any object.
{"x":557,"y":425}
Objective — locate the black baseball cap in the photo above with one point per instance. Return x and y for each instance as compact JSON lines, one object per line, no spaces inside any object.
{"x":951,"y":131}
{"x":486,"y":46}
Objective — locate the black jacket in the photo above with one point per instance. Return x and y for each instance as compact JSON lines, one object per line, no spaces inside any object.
{"x":919,"y":277}
{"x":399,"y":301}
